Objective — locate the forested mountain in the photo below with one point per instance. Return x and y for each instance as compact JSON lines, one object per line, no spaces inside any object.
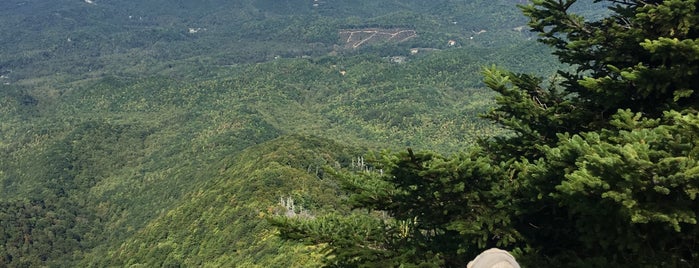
{"x":185,"y":133}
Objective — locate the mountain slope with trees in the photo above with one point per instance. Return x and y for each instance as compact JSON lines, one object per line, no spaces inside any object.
{"x":111,"y":158}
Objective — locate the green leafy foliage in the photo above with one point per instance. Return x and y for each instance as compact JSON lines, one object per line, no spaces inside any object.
{"x":638,"y":179}
{"x":604,"y":176}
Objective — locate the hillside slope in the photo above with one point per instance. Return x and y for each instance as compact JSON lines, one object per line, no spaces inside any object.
{"x":222,"y":223}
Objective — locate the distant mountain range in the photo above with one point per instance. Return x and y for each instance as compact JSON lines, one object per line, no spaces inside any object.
{"x":68,"y":40}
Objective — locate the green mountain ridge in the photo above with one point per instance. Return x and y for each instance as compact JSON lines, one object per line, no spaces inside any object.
{"x":222,"y":223}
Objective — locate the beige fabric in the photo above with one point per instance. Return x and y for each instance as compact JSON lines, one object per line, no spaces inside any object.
{"x":494,"y":258}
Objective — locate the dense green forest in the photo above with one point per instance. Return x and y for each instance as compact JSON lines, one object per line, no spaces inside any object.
{"x":224,"y":133}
